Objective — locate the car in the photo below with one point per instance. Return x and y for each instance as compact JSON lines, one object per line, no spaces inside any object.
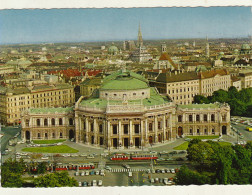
{"x":158,"y":171}
{"x":130,"y":174}
{"x":74,"y":155}
{"x":18,"y":157}
{"x":148,"y":171}
{"x":80,"y":184}
{"x":44,"y":158}
{"x":94,"y":183}
{"x":102,"y":173}
{"x":126,"y":166}
{"x":97,"y":172}
{"x":173,"y":152}
{"x":4,"y":153}
{"x":153,"y":171}
{"x":85,"y":184}
{"x":152,"y":180}
{"x":165,"y":181}
{"x":82,"y":173}
{"x":172,"y":170}
{"x":167,"y":170}
{"x":108,"y":168}
{"x":24,"y":153}
{"x":77,"y":173}
{"x":92,"y":173}
{"x":156,"y":180}
{"x":182,"y":152}
{"x":87,"y":173}
{"x":90,"y":156}
{"x":83,"y":155}
{"x":163,"y":171}
{"x":220,"y":140}
{"x":89,"y":183}
{"x":100,"y":183}
{"x":160,"y":159}
{"x":68,"y":155}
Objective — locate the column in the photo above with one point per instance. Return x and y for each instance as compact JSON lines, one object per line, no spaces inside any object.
{"x":104,"y":129}
{"x":164,"y":135}
{"x":108,"y":133}
{"x":171,"y":125}
{"x":41,"y":122}
{"x":142,"y":132}
{"x":76,"y":128}
{"x":80,"y":129}
{"x":49,"y":122}
{"x":130,"y":131}
{"x":156,"y":128}
{"x":120,"y":133}
{"x":146,"y":130}
{"x":87,"y":131}
{"x":95,"y":131}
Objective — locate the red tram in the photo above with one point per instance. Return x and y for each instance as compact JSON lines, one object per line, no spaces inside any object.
{"x":135,"y":156}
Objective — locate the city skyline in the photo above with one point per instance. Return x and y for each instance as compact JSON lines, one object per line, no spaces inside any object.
{"x":71,"y":25}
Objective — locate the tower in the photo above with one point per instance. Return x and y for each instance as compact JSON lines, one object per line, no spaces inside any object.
{"x":194,"y":44}
{"x":207,"y":48}
{"x":163,"y":48}
{"x":139,"y":37}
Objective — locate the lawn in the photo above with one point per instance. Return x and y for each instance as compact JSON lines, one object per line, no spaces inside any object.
{"x":225,"y":143}
{"x":183,"y":146}
{"x":203,"y":137}
{"x":52,"y":141}
{"x":51,"y":149}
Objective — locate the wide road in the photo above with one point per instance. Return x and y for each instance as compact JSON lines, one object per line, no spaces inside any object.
{"x":242,"y":128}
{"x":8,"y":132}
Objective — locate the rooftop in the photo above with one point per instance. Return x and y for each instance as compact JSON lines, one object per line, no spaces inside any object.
{"x":50,"y":110}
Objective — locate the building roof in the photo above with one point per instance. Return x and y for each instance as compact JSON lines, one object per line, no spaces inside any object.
{"x":172,"y":77}
{"x":213,"y":73}
{"x":50,"y":110}
{"x":165,"y":56}
{"x":198,"y":106}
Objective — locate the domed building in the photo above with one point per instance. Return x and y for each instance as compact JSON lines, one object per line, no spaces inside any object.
{"x":113,"y":50}
{"x":126,"y":113}
{"x":245,"y":49}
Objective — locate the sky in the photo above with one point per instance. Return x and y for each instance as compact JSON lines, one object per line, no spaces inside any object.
{"x":77,"y":25}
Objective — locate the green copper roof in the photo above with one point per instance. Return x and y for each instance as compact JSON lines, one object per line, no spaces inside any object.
{"x":50,"y":110}
{"x":124,"y":80}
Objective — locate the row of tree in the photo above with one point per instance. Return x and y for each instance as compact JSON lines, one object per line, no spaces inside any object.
{"x":13,"y":175}
{"x":212,"y":163}
{"x":240,"y":101}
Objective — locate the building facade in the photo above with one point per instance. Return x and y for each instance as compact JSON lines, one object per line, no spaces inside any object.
{"x":125,"y":112}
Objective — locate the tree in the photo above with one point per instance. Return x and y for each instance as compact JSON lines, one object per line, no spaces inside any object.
{"x":200,"y":99}
{"x":58,"y":179}
{"x":185,"y":176}
{"x":42,"y":167}
{"x":233,"y":93}
{"x":237,"y":107}
{"x":219,"y":96}
{"x":245,"y":95}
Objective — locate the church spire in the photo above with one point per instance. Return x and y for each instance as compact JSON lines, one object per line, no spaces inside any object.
{"x":139,"y":38}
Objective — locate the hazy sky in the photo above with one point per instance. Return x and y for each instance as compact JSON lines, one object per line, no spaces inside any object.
{"x":66,"y":25}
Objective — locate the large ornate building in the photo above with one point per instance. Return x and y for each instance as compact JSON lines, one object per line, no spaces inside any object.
{"x":125,"y":112}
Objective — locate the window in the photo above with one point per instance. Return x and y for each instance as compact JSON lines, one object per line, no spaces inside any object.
{"x":191,"y":131}
{"x":205,"y":117}
{"x":100,"y":128}
{"x":38,"y":122}
{"x":180,"y":118}
{"x":125,"y":129}
{"x":190,"y":118}
{"x":150,"y":127}
{"x":61,"y":135}
{"x":70,"y":121}
{"x":134,"y":93}
{"x":142,"y":93}
{"x":45,"y":122}
{"x":60,"y":121}
{"x":223,"y":117}
{"x":92,"y":127}
{"x":159,"y":125}
{"x":137,"y":128}
{"x":213,"y":132}
{"x":38,"y":135}
{"x":27,"y":122}
{"x":212,"y":117}
{"x":53,"y":135}
{"x":205,"y":131}
{"x":53,"y":122}
{"x":198,"y":117}
{"x":114,"y":129}
{"x":198,"y":131}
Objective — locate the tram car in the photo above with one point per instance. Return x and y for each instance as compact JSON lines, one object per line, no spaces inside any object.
{"x":135,"y":156}
{"x":144,"y":156}
{"x":74,"y":167}
{"x":120,"y":157}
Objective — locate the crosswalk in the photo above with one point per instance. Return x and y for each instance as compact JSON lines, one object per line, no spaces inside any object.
{"x":127,"y":170}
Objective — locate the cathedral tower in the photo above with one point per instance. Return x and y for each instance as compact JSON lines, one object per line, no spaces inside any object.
{"x":139,"y":37}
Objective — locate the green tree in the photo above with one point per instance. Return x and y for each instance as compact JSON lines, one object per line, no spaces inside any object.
{"x":42,"y":167}
{"x":219,"y":96}
{"x":233,"y":93}
{"x":58,"y":179}
{"x":185,"y":176}
{"x":237,"y":107}
{"x":200,"y":99}
{"x":245,"y":95}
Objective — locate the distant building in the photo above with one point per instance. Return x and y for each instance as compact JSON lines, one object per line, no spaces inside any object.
{"x":246,"y":79}
{"x":236,"y":82}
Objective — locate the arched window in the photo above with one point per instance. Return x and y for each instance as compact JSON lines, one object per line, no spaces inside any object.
{"x":224,"y":117}
{"x":70,"y":121}
{"x":180,"y":118}
{"x":198,"y":117}
{"x":53,"y":135}
{"x":27,"y":122}
{"x":53,"y":122}
{"x":150,"y":126}
{"x":38,"y":122}
{"x":45,"y":122}
{"x":60,"y":121}
{"x":61,"y":135}
{"x":190,"y":118}
{"x":212,"y":117}
{"x":205,"y":117}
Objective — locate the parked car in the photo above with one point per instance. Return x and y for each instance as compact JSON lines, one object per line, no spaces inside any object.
{"x":126,"y":166}
{"x":82,"y":173}
{"x":92,"y":173}
{"x":85,"y":184}
{"x":108,"y":168}
{"x":97,"y":172}
{"x":130,"y":174}
{"x":172,"y":170}
{"x":156,"y":180}
{"x":94,"y":183}
{"x":77,"y":173}
{"x":87,"y":173}
{"x":102,"y":172}
{"x":152,"y":180}
{"x":100,"y":183}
